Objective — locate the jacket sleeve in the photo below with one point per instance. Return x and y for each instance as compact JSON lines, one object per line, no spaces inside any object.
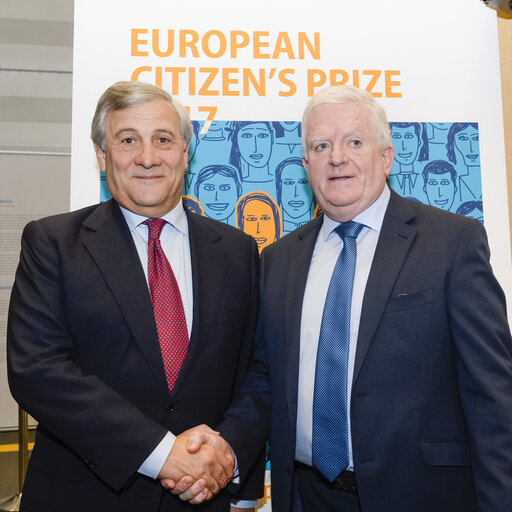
{"x":105,"y":429}
{"x":483,"y":345}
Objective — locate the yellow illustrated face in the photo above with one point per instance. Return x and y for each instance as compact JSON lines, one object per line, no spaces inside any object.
{"x":259,"y":222}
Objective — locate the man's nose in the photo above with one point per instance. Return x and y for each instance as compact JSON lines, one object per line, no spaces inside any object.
{"x":147,"y":155}
{"x":338,"y":155}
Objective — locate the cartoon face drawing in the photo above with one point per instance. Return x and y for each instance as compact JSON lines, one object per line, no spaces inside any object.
{"x":439,"y":178}
{"x":293,"y":191}
{"x":407,"y":144}
{"x":259,"y":222}
{"x":218,"y":190}
{"x":440,"y":190}
{"x":255,"y":144}
{"x":258,"y":216}
{"x":467,"y":143}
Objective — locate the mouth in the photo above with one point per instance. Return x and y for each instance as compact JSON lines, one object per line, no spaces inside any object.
{"x":296,"y":204}
{"x":405,"y":156}
{"x":441,"y":202}
{"x":472,"y":156}
{"x":147,"y":178}
{"x":340,"y":178}
{"x":260,"y":240}
{"x":218,"y":207}
{"x":256,"y":156}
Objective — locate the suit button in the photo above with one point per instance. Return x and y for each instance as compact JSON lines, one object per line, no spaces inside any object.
{"x":169,"y":407}
{"x":90,"y":462}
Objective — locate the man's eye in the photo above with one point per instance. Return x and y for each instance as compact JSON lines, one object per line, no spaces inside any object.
{"x":128,"y":140}
{"x":163,"y":140}
{"x":209,"y":188}
{"x":356,"y":143}
{"x":224,"y":188}
{"x":321,"y":146}
{"x":409,"y":136}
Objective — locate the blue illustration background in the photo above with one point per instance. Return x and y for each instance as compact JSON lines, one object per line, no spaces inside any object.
{"x":236,"y":162}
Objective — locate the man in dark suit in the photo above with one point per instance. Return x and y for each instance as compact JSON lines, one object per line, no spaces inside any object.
{"x":383,"y":360}
{"x":113,"y":381}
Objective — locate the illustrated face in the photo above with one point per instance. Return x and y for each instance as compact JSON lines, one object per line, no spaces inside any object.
{"x":144,"y":158}
{"x":346,"y":169}
{"x":289,"y":126}
{"x":467,"y":142}
{"x":441,"y":126}
{"x":407,"y":144}
{"x":296,"y":194}
{"x":259,"y":223}
{"x":255,"y":144}
{"x":440,"y":190}
{"x":218,"y":195}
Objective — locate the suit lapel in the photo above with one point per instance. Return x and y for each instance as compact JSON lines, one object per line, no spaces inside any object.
{"x":394,"y":242}
{"x":298,"y":261}
{"x":109,"y":242}
{"x":209,"y":264}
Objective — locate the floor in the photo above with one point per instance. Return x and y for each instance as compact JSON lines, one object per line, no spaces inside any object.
{"x":9,"y":463}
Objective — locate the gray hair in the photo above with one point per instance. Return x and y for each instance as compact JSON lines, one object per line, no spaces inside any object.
{"x":123,"y":95}
{"x":345,"y":94}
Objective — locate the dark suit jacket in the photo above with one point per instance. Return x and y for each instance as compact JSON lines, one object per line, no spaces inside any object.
{"x":84,"y":357}
{"x":431,"y":403}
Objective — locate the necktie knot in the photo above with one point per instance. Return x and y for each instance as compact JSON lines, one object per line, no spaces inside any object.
{"x":349,"y":229}
{"x":155,"y":228}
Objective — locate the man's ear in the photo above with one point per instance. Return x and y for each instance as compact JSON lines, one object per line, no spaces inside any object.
{"x":100,"y":155}
{"x":388,"y":155}
{"x":305,"y":163}
{"x":186,"y":149}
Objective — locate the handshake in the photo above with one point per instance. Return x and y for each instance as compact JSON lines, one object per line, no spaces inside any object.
{"x":199,"y":465}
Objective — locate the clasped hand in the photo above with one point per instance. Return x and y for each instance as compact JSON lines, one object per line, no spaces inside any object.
{"x":199,"y":465}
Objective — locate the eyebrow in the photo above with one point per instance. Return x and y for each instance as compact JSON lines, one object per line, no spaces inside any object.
{"x":134,"y":130}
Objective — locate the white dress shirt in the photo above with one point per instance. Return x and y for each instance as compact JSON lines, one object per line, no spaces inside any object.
{"x":327,"y":249}
{"x":175,"y":244}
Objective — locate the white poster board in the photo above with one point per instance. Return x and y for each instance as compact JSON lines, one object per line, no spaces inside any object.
{"x":427,"y":63}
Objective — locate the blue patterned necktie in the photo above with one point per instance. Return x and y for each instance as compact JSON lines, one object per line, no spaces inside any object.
{"x":330,"y":421}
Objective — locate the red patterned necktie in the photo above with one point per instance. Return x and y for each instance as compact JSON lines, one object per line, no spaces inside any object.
{"x":168,"y":309}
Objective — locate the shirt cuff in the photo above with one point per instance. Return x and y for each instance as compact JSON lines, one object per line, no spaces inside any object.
{"x":244,"y":503}
{"x":155,"y":462}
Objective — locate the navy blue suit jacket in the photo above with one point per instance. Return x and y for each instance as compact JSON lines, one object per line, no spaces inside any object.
{"x":431,"y":403}
{"x":84,"y":357}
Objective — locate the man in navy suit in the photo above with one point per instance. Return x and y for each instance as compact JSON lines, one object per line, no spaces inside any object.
{"x":427,"y":420}
{"x":84,"y":352}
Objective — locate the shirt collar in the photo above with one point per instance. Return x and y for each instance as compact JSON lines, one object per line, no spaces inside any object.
{"x":176,"y":218}
{"x":372,"y":217}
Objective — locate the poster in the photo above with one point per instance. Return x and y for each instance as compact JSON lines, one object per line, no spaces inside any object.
{"x":246,"y":73}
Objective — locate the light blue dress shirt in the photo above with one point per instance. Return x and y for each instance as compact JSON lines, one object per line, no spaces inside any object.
{"x":327,"y":249}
